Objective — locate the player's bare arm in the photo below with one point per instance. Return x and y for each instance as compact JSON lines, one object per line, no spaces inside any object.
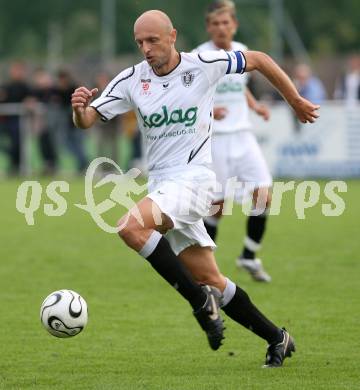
{"x":305,"y":110}
{"x":261,"y":109}
{"x":83,"y":115}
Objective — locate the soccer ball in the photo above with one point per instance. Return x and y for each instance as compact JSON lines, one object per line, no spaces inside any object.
{"x":64,"y":313}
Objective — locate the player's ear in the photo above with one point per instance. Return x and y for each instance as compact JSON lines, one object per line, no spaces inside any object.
{"x":173,"y":35}
{"x":208,"y":25}
{"x":236,"y":25}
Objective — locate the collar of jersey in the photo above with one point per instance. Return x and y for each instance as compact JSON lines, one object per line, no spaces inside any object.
{"x":166,"y":74}
{"x":218,"y":48}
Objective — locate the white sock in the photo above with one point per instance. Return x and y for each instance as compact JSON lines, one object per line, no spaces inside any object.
{"x":252,"y":245}
{"x":229,"y":292}
{"x":259,"y":212}
{"x":150,"y":244}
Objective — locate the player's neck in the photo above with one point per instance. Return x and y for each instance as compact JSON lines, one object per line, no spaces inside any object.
{"x":173,"y":62}
{"x":223,"y":45}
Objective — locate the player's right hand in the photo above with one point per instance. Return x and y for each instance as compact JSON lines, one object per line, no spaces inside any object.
{"x":81,"y":98}
{"x":305,"y":110}
{"x":220,"y":113}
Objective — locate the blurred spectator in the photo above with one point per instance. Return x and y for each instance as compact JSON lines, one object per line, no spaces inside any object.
{"x":73,"y":137}
{"x":349,"y":86}
{"x":136,"y":160}
{"x":309,"y":86}
{"x":16,"y":90}
{"x":45,"y":120}
{"x":107,"y":134}
{"x":131,"y":130}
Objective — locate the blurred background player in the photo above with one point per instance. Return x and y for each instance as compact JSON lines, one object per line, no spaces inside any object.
{"x":235,"y":150}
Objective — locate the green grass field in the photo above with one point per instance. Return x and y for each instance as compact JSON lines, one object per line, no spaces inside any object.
{"x":142,"y":335}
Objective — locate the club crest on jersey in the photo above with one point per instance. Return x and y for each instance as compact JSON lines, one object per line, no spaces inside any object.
{"x":187,"y":78}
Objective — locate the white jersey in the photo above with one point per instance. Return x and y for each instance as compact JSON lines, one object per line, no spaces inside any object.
{"x":174,"y":111}
{"x":230,"y":93}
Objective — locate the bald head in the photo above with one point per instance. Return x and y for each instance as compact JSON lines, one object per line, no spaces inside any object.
{"x":155,"y":36}
{"x":155,"y":19}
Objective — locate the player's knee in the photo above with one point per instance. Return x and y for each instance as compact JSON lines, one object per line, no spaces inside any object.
{"x":128,"y":229}
{"x":219,"y":206}
{"x":213,"y":279}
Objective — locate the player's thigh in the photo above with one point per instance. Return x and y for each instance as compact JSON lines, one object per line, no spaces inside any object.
{"x":145,"y":215}
{"x":200,"y":261}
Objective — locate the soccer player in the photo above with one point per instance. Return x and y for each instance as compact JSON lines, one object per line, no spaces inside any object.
{"x":235,"y":150}
{"x":172,"y":95}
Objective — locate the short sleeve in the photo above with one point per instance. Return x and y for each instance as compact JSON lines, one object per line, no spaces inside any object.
{"x":115,"y":99}
{"x":219,"y":63}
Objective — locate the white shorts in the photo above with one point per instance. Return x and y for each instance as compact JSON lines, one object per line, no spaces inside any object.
{"x":238,"y":155}
{"x":185,"y":196}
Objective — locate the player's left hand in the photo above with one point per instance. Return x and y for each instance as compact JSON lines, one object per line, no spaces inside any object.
{"x":305,"y":110}
{"x":263,"y":111}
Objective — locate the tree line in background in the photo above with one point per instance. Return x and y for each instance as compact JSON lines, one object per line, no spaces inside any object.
{"x":27,"y":29}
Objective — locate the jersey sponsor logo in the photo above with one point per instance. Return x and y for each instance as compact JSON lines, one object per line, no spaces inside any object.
{"x":156,"y":119}
{"x":187,"y":78}
{"x":229,"y":87}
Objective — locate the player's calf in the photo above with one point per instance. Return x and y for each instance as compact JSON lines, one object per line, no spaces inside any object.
{"x":212,"y":279}
{"x":255,"y":230}
{"x":132,"y":233}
